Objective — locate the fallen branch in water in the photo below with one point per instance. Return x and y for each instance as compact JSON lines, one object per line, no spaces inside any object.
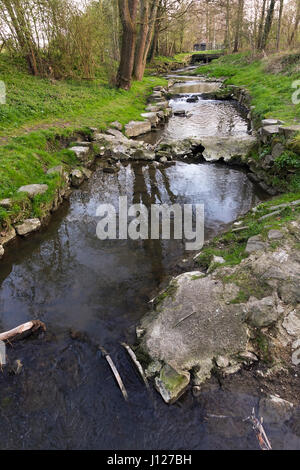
{"x":136,"y":363}
{"x":115,"y":372}
{"x":22,"y":330}
{"x":262,"y":438}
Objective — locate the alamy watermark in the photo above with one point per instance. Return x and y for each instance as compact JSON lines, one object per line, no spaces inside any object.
{"x":2,"y":354}
{"x":296,"y":94}
{"x":138,"y":222}
{"x":2,"y":92}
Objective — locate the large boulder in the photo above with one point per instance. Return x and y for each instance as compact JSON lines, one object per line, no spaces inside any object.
{"x":193,"y":325}
{"x":136,"y":128}
{"x":33,"y":190}
{"x":227,"y":148}
{"x":28,"y":226}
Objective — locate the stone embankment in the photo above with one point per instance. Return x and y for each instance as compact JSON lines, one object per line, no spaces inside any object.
{"x":109,"y":148}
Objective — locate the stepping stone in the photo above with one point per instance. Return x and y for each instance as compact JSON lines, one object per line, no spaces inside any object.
{"x":255,"y":244}
{"x":33,"y":189}
{"x":28,"y":226}
{"x":275,"y":235}
{"x":136,"y":128}
{"x":289,"y":131}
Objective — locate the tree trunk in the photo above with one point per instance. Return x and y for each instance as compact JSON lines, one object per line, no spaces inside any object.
{"x":227,"y":41}
{"x":141,"y":43}
{"x":149,"y":15}
{"x":261,"y":25}
{"x":297,"y":21}
{"x":268,"y":25}
{"x":238,"y":26}
{"x":279,"y":26}
{"x":128,"y":15}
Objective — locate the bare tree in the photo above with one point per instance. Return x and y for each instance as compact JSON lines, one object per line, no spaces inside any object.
{"x":239,"y":24}
{"x":128,"y":14}
{"x":268,"y":25}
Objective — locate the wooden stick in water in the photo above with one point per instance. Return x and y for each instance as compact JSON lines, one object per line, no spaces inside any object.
{"x":136,"y":363}
{"x":115,"y":372}
{"x":28,"y":327}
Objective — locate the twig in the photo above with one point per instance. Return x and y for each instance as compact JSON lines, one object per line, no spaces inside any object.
{"x":261,"y":435}
{"x":136,"y":363}
{"x":183,"y":319}
{"x":115,"y":372}
{"x":28,"y":327}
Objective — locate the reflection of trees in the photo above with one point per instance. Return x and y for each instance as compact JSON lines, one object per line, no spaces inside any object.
{"x":143,"y":195}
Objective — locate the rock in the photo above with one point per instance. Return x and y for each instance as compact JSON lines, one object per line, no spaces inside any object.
{"x":192,"y":326}
{"x":6,"y":203}
{"x":193,"y":99}
{"x":226,"y":148}
{"x":262,"y":313}
{"x":180,"y":112}
{"x":163,"y":160}
{"x":77,"y":178}
{"x":153,"y":108}
{"x":117,"y":125}
{"x":232,"y":369}
{"x":222,"y":362}
{"x":171,"y":384}
{"x":270,"y":122}
{"x":275,"y":410}
{"x":278,"y":150}
{"x":255,"y":244}
{"x":7,"y":236}
{"x":87,"y":173}
{"x":56,"y":169}
{"x":216,"y":260}
{"x":162,"y":105}
{"x":118,"y":134}
{"x":269,"y":131}
{"x":267,"y":162}
{"x":33,"y":190}
{"x":82,"y":153}
{"x":275,"y":235}
{"x":153,"y":369}
{"x":289,"y":131}
{"x":28,"y":226}
{"x":136,"y":128}
{"x":291,"y":323}
{"x":267,"y":216}
{"x":1,"y":251}
{"x":152,"y":117}
{"x":248,"y":357}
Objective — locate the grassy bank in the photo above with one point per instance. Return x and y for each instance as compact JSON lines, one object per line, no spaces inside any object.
{"x":40,"y":114}
{"x":269,"y":82}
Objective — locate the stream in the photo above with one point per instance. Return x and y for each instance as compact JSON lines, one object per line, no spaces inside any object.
{"x":65,"y":396}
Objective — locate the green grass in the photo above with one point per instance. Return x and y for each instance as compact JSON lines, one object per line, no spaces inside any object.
{"x":231,"y":245}
{"x":270,"y":87}
{"x":40,"y":116}
{"x":34,"y":101}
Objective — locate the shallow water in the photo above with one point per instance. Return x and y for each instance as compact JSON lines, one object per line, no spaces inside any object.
{"x":65,"y":396}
